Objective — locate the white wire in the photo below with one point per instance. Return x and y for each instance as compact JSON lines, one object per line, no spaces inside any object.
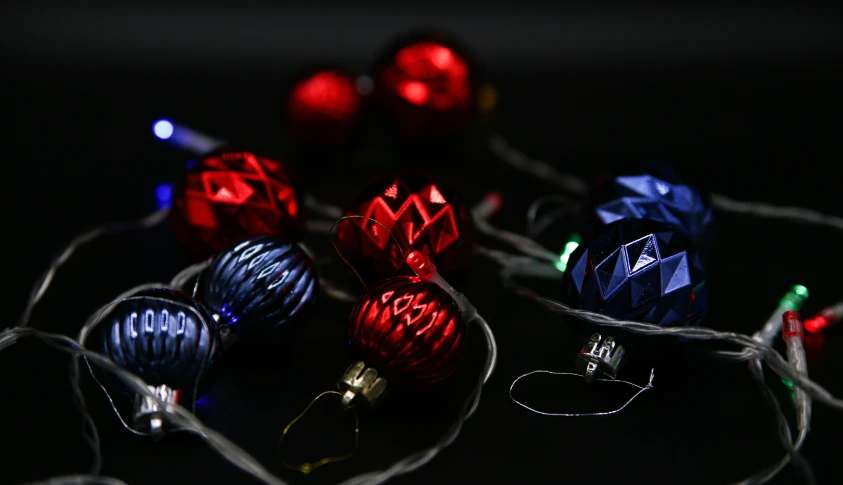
{"x":79,"y":480}
{"x":80,"y":240}
{"x":641,"y":389}
{"x":539,"y":169}
{"x":792,"y":214}
{"x":544,"y":171}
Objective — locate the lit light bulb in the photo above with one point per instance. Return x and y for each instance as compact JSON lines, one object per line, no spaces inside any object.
{"x":163,"y":129}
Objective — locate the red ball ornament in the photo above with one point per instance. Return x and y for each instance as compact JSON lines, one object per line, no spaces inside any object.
{"x":231,"y":195}
{"x":408,"y":330}
{"x":427,"y":85}
{"x":420,"y":213}
{"x":324,"y":106}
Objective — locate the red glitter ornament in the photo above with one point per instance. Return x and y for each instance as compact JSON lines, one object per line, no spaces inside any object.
{"x":410,"y":331}
{"x":420,"y":213}
{"x":230,"y":195}
{"x":427,"y":85}
{"x":324,"y":106}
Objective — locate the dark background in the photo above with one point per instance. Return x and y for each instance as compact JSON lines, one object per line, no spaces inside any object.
{"x":744,"y":100}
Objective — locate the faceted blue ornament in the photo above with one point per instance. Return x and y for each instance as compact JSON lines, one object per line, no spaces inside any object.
{"x":259,"y":284}
{"x":638,"y":269}
{"x":646,"y":196}
{"x":165,"y":338}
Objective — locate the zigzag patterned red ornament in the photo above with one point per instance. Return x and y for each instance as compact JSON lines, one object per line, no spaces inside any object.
{"x":228,"y":196}
{"x":420,"y":214}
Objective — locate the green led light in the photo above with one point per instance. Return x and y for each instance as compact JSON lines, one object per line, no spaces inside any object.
{"x":795,"y":298}
{"x":787,"y":382}
{"x":569,"y":248}
{"x":800,"y":290}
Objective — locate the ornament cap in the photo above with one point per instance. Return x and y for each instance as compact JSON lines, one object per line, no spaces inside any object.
{"x":600,"y":355}
{"x":361,"y":383}
{"x":148,"y":414}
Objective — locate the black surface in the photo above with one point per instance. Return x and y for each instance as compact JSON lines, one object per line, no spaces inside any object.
{"x":752,"y":116}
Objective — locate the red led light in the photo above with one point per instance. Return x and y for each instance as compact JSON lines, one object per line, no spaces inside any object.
{"x":325,"y":106}
{"x":826,"y":318}
{"x":410,"y":331}
{"x":421,"y":265}
{"x":427,"y":87}
{"x":419,"y":215}
{"x":791,"y":325}
{"x":230,"y":196}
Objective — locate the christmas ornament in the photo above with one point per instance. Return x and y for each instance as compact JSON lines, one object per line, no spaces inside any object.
{"x":415,"y":213}
{"x":167,"y":339}
{"x":229,"y":195}
{"x":259,"y":284}
{"x":408,"y":332}
{"x":635,"y":269}
{"x":427,"y":85}
{"x":324,"y":106}
{"x":646,"y":196}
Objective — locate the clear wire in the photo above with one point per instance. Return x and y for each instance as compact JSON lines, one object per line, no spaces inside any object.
{"x":535,"y":225}
{"x":79,"y":480}
{"x":574,"y":185}
{"x":641,"y":389}
{"x":539,"y":169}
{"x":791,"y":214}
{"x":521,"y":243}
{"x":40,"y":288}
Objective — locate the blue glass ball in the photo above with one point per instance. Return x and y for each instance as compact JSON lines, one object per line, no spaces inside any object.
{"x":638,"y":269}
{"x":646,"y":196}
{"x":259,"y":284}
{"x":164,"y":337}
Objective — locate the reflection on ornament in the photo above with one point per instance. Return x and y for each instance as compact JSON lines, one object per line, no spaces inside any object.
{"x":167,"y":339}
{"x":228,"y":196}
{"x":415,"y":211}
{"x":638,"y":269}
{"x":427,"y":86}
{"x":411,"y":332}
{"x":259,"y":284}
{"x":645,"y":196}
{"x":325,"y":106}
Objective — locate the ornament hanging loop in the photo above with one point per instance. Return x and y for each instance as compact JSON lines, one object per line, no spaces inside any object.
{"x":337,"y":249}
{"x":308,"y":467}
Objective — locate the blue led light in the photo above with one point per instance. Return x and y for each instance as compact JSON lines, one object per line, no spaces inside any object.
{"x":164,"y":194}
{"x":163,"y":129}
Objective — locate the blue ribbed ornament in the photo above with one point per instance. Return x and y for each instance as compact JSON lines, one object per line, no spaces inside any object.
{"x":646,"y":196}
{"x":638,"y":269}
{"x":259,"y":284}
{"x":164,"y":337}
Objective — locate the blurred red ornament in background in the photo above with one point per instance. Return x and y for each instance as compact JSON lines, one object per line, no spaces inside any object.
{"x":228,"y":196}
{"x":410,"y":331}
{"x":325,"y":106}
{"x":420,"y":213}
{"x":427,"y":86}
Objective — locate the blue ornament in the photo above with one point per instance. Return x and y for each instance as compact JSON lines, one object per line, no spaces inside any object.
{"x":259,"y":284}
{"x":646,"y":196}
{"x":638,"y":269}
{"x":165,"y":338}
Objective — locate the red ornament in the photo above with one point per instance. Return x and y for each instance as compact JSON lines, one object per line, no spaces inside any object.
{"x":421,"y":214}
{"x":325,"y":106}
{"x":229,"y":196}
{"x":427,"y":86}
{"x":411,"y":332}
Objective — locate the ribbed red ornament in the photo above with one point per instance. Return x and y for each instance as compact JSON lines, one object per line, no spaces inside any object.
{"x":324,"y":106}
{"x":410,"y":331}
{"x":422,"y":215}
{"x":427,"y":85}
{"x":231,"y":195}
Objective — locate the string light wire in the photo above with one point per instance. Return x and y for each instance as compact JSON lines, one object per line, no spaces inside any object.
{"x":577,"y":187}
